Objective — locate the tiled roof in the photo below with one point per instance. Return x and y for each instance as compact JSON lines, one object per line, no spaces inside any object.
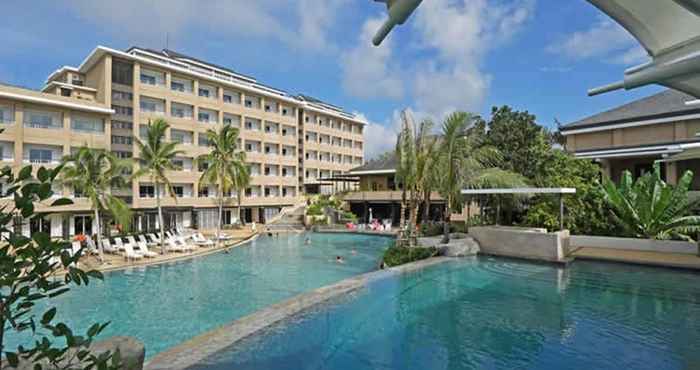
{"x":667,"y":103}
{"x":385,"y":162}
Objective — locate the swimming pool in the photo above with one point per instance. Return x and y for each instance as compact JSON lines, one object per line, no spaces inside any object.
{"x":491,"y":313}
{"x":167,"y":304}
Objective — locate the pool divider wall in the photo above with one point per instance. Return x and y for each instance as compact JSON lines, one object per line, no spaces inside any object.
{"x":203,"y":346}
{"x":528,"y":243}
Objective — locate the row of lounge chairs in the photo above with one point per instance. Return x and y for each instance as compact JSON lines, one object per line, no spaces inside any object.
{"x":137,"y":247}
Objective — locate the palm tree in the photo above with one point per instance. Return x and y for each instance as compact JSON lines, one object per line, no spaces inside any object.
{"x":465,"y":161}
{"x":406,"y":169}
{"x":92,"y":173}
{"x":226,"y":166}
{"x":155,"y":158}
{"x":651,"y":208}
{"x":240,"y":183}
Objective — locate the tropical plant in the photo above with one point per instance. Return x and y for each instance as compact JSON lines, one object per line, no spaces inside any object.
{"x":587,"y":213}
{"x":240,"y":183}
{"x":93,"y":173}
{"x":155,"y":158}
{"x":28,"y":277}
{"x":466,"y":161}
{"x":226,"y":166}
{"x":651,"y":208}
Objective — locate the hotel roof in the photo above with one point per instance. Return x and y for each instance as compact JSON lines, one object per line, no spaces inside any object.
{"x":668,"y":103}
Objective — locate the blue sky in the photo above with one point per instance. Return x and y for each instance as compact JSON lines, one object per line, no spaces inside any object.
{"x":535,"y":55}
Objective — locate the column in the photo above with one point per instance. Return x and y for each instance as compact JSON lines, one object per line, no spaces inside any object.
{"x":672,"y":173}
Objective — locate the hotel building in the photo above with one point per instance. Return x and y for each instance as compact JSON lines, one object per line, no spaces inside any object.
{"x":292,"y":142}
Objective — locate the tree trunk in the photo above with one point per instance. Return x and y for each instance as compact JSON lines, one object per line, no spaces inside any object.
{"x":100,"y":247}
{"x":221,"y":214}
{"x":160,"y":219}
{"x":240,"y":219}
{"x":426,"y":207}
{"x":446,"y":222}
{"x":402,"y":218}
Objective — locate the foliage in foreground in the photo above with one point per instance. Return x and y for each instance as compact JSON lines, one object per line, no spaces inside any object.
{"x":651,"y":208}
{"x":27,"y":277}
{"x":396,"y":256}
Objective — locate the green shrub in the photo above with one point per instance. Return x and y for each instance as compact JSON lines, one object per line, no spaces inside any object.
{"x":348,"y":216}
{"x":396,"y":256}
{"x":314,"y":210}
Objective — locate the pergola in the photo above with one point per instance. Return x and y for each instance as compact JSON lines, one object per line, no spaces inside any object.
{"x":514,"y":191}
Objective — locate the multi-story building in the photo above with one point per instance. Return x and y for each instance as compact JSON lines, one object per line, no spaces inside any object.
{"x":291,"y":141}
{"x":663,"y":128}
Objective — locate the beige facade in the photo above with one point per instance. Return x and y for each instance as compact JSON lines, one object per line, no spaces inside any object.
{"x":290,"y":141}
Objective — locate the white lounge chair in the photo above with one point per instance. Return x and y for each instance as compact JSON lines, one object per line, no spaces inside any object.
{"x":172,"y":246}
{"x":142,"y":239}
{"x":91,"y":246}
{"x":130,"y":254}
{"x":201,"y":241}
{"x":119,"y":244}
{"x":142,"y":248}
{"x":107,"y":246}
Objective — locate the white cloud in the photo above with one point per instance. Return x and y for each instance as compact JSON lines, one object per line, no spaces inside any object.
{"x":461,"y":33}
{"x":605,"y":40}
{"x":302,"y":24}
{"x":368,"y":71}
{"x":379,"y":138}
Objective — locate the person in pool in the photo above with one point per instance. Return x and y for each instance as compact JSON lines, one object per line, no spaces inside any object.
{"x":307,"y":241}
{"x":339,"y":259}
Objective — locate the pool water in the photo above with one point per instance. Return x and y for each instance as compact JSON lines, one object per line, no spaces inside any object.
{"x":491,"y":313}
{"x":167,"y":304}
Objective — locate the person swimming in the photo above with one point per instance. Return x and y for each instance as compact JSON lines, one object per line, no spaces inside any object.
{"x":307,"y":241}
{"x":339,"y":259}
{"x":354,"y":252}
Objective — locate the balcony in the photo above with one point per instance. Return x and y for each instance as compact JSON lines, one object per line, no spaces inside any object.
{"x":382,"y":196}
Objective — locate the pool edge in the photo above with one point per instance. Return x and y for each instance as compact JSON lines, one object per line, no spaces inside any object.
{"x":200,"y":347}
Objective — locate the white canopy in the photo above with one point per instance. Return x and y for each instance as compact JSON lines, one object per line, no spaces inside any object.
{"x":669,"y":30}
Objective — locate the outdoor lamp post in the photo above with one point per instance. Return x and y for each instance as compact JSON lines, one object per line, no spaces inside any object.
{"x":399,"y":11}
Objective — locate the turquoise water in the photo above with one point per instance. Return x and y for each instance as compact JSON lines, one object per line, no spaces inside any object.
{"x":493,"y":314}
{"x":168,"y":304}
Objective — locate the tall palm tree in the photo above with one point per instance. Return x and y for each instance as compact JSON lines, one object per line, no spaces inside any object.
{"x":465,"y":161}
{"x":93,"y":173}
{"x":406,"y":169}
{"x":155,"y":157}
{"x":240,"y":183}
{"x":226,"y":166}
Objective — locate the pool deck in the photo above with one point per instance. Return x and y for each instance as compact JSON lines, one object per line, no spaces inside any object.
{"x":113,"y":262}
{"x":673,"y":260}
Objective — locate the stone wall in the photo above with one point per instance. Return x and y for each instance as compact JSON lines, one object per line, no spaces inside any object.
{"x":644,"y":245}
{"x":522,"y":242}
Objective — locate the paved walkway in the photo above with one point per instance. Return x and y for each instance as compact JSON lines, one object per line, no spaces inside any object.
{"x":676,"y":260}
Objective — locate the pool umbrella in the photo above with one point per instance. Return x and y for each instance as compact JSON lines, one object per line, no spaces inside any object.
{"x":669,"y":31}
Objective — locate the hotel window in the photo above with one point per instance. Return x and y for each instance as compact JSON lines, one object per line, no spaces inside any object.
{"x":123,"y":155}
{"x":83,"y":225}
{"x":122,"y":73}
{"x":151,"y":105}
{"x":181,"y":85}
{"x":7,"y":114}
{"x":181,"y":110}
{"x":180,"y":136}
{"x":123,"y":111}
{"x":233,"y":120}
{"x":147,"y":191}
{"x":203,"y":192}
{"x":124,"y":140}
{"x":65,"y":92}
{"x":178,"y":163}
{"x":179,"y":191}
{"x":143,"y":131}
{"x":122,"y":125}
{"x":284,"y":171}
{"x":207,"y":91}
{"x":150,"y":77}
{"x":40,"y":155}
{"x":121,"y":95}
{"x":87,"y":124}
{"x":40,"y":224}
{"x":232,"y":97}
{"x":203,"y":140}
{"x":207,"y":116}
{"x":202,"y":166}
{"x":41,"y":119}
